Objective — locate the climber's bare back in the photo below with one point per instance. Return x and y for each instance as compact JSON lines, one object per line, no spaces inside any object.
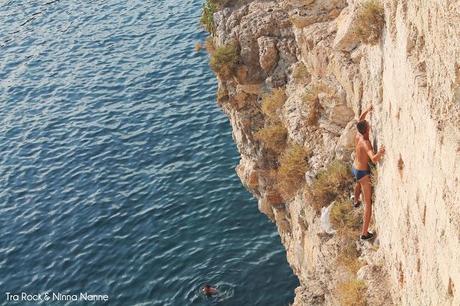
{"x":363,"y":146}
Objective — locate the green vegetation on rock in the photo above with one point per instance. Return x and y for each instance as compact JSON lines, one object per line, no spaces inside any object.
{"x":273,"y":137}
{"x":224,"y":60}
{"x":273,"y":102}
{"x":330,"y":184}
{"x":207,"y":15}
{"x":291,"y":173}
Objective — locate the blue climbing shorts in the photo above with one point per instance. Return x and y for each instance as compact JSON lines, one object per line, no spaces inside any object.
{"x":359,"y":174}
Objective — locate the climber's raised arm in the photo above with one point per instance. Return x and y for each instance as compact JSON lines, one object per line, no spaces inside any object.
{"x":370,"y":152}
{"x":364,"y":113}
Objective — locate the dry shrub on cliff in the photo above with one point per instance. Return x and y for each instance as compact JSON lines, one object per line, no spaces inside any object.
{"x":351,"y":293}
{"x":209,"y":45}
{"x":313,"y":107}
{"x":345,"y":219}
{"x":291,"y":173}
{"x":330,"y":184}
{"x":370,"y":21}
{"x":300,"y":74}
{"x":310,"y":98}
{"x":224,"y":60}
{"x":348,"y":257}
{"x":272,"y":102}
{"x":273,"y":137}
{"x":207,"y":15}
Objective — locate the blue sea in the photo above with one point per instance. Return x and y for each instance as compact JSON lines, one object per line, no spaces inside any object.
{"x":117,"y":168}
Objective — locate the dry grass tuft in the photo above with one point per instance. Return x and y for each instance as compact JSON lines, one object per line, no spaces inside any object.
{"x":348,"y":257}
{"x":311,"y":99}
{"x":209,"y":45}
{"x":311,"y":93}
{"x":345,"y":218}
{"x":291,"y":173}
{"x":273,"y":137}
{"x":370,"y":21}
{"x":330,"y":184}
{"x":347,"y":221}
{"x":300,"y":74}
{"x":272,"y":102}
{"x":224,"y":60}
{"x":351,"y":293}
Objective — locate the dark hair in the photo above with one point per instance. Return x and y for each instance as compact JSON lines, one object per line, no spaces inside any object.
{"x":362,"y":127}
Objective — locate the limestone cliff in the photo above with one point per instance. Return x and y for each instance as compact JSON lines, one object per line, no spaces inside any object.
{"x":329,"y":67}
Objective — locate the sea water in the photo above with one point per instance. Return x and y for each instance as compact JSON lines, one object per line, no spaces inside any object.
{"x":117,"y":166}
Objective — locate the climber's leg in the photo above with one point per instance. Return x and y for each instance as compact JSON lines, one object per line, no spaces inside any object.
{"x":357,"y":194}
{"x":366,"y":186}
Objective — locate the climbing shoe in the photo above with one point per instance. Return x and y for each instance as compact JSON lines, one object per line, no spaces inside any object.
{"x":368,"y":236}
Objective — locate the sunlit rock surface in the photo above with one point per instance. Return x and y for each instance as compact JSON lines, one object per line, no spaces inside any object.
{"x":412,"y":77}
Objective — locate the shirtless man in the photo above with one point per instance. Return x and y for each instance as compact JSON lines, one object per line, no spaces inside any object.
{"x":360,"y":170}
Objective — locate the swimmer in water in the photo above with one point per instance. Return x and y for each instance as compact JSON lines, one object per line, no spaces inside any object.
{"x":208,"y":290}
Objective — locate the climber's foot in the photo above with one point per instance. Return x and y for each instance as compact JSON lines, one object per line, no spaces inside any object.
{"x":368,"y":236}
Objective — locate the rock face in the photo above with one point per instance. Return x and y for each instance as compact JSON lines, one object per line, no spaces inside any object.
{"x":412,"y":78}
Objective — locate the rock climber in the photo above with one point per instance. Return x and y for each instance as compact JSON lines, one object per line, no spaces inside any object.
{"x":360,"y":169}
{"x":208,"y":290}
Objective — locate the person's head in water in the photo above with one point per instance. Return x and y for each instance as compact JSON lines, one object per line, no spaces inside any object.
{"x":363,"y":127}
{"x":208,"y":290}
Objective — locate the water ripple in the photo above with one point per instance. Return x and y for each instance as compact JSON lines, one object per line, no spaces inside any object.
{"x":117,"y":168}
